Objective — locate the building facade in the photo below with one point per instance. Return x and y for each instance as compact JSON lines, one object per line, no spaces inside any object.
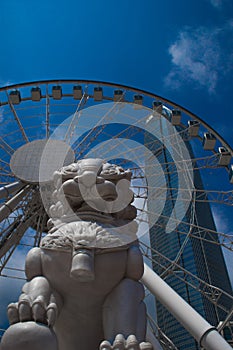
{"x":182,"y":246}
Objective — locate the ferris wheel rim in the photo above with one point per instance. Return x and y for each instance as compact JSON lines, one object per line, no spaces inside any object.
{"x":126,"y":87}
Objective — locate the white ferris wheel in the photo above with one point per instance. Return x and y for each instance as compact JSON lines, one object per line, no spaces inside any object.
{"x":180,"y":165}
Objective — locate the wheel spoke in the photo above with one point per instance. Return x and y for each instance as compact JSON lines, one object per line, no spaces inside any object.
{"x":17,"y":119}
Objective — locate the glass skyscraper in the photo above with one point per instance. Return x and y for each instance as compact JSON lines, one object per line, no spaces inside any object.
{"x":182,"y":246}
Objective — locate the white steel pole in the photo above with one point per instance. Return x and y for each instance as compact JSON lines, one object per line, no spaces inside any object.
{"x":11,"y":188}
{"x":8,"y":207}
{"x":206,"y":335}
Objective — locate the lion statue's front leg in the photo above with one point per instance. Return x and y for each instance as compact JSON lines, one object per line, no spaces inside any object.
{"x":32,"y":318}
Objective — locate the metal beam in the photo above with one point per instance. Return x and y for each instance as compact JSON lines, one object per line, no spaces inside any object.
{"x":152,"y":339}
{"x":47,"y":122}
{"x":205,"y":334}
{"x":10,"y":206}
{"x":170,"y":267}
{"x":76,"y":117}
{"x":17,"y":119}
{"x":7,"y":148}
{"x":15,"y":237}
{"x":11,"y":188}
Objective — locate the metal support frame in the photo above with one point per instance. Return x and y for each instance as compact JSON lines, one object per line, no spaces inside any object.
{"x":5,"y":191}
{"x":47,"y":122}
{"x":17,"y":119}
{"x":205,"y":334}
{"x":16,"y":235}
{"x":76,"y":116}
{"x":10,"y":206}
{"x":152,"y":339}
{"x":4,"y":145}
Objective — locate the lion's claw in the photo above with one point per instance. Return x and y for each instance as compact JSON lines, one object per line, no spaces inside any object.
{"x":52,"y":312}
{"x":12,"y":312}
{"x":37,"y":311}
{"x":120,"y":343}
{"x":24,"y":310}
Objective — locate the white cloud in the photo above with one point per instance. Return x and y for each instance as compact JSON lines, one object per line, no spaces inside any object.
{"x":199,"y":57}
{"x":219,"y":4}
{"x":221,"y":220}
{"x":5,"y":82}
{"x":216,"y":3}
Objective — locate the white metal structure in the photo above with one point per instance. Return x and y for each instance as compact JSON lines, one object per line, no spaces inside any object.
{"x":30,"y":112}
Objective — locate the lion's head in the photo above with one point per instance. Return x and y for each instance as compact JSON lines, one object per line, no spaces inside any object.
{"x":92,"y":189}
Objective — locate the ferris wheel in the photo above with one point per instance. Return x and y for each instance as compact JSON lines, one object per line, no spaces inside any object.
{"x":181,"y":168}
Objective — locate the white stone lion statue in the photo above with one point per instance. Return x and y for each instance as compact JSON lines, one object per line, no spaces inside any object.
{"x":83,"y":290}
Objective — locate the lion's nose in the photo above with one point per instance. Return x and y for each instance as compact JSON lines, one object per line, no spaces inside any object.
{"x":88,"y":178}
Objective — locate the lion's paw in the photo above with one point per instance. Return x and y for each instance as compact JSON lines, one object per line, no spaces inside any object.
{"x":36,"y":303}
{"x":120,"y":343}
{"x":36,"y":310}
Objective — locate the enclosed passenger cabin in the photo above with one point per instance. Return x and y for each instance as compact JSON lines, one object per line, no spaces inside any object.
{"x":193,"y":128}
{"x":138,"y":99}
{"x":15,"y":97}
{"x":118,"y":96}
{"x":176,"y":117}
{"x":77,"y":92}
{"x":224,"y":156}
{"x":57,"y":92}
{"x":36,"y":94}
{"x":98,"y":93}
{"x":209,"y":141}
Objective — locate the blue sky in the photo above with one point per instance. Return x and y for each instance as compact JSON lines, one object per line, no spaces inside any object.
{"x":182,"y":50}
{"x":178,"y":49}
